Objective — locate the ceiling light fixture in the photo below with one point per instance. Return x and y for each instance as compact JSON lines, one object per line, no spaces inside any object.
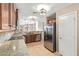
{"x":43,"y":6}
{"x":42,"y":9}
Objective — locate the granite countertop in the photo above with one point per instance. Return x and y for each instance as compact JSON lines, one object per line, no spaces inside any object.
{"x":13,"y":48}
{"x":6,"y":30}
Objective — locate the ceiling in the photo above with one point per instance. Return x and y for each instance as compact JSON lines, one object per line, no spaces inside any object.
{"x":26,"y":9}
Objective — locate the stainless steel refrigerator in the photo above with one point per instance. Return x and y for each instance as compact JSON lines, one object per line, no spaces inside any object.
{"x":50,"y":37}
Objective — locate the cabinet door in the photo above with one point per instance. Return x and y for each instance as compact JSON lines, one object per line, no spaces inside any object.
{"x":0,"y":17}
{"x":13,"y":16}
{"x":51,"y":20}
{"x":5,"y":15}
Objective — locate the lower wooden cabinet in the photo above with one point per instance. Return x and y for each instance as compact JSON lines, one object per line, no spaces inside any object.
{"x":32,"y":38}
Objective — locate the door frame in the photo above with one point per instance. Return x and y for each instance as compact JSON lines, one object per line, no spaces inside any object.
{"x":75,"y":13}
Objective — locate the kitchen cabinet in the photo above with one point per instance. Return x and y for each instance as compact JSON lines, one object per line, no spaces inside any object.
{"x":51,"y":20}
{"x":13,"y":16}
{"x":29,"y":38}
{"x":7,"y":16}
{"x":4,"y":15}
{"x":32,"y":38}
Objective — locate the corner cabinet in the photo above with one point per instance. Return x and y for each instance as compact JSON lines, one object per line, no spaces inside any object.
{"x":7,"y":16}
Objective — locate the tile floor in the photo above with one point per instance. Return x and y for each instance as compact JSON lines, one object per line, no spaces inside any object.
{"x":37,"y":49}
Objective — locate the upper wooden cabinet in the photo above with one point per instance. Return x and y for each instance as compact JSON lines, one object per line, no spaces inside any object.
{"x":12,"y":13}
{"x":51,"y":20}
{"x":4,"y":15}
{"x":7,"y":16}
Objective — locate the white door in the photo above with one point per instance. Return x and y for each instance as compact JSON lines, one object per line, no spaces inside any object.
{"x":67,"y":34}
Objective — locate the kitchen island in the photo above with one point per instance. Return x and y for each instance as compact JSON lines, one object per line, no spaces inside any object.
{"x":33,"y":36}
{"x":13,"y":48}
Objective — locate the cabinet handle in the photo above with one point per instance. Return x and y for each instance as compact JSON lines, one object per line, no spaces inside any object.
{"x":10,"y":25}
